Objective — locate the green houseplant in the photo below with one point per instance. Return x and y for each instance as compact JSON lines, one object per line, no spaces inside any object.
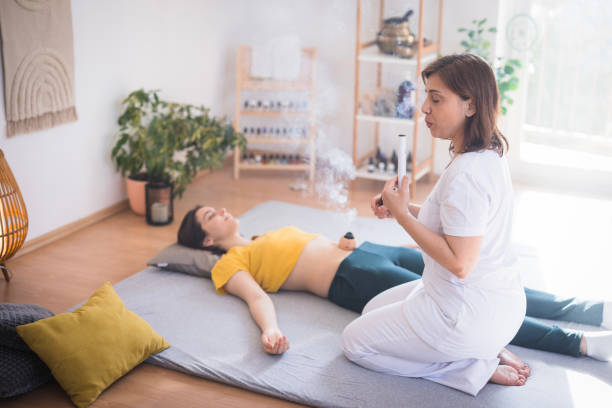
{"x":505,"y":69}
{"x":167,"y":142}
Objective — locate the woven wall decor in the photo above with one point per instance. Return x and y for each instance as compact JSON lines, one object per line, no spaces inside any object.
{"x":38,"y":60}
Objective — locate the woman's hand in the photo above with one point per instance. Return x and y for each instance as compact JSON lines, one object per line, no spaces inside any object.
{"x":379,"y":210}
{"x":396,"y":199}
{"x":274,"y":342}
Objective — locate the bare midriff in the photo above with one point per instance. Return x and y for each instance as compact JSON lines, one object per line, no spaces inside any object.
{"x":316,"y":267}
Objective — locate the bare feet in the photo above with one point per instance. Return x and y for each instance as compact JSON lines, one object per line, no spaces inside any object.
{"x":506,"y":375}
{"x":509,"y":358}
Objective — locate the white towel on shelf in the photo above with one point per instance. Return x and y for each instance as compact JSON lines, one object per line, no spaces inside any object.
{"x":261,"y":61}
{"x":279,"y":58}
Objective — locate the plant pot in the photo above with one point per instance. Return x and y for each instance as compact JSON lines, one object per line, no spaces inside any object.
{"x":136,"y":193}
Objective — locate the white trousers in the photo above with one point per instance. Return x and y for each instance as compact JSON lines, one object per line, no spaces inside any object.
{"x":381,"y":339}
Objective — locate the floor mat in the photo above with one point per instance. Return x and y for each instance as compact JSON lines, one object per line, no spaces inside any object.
{"x":215,"y":337}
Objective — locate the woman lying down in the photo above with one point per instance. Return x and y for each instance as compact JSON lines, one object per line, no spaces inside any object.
{"x":290,"y":259}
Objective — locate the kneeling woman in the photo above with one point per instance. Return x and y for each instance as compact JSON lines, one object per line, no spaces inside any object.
{"x":450,"y":326}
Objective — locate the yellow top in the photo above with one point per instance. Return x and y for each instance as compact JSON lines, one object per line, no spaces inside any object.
{"x":269,"y":259}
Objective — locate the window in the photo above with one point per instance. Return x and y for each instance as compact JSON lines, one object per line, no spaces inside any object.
{"x":569,"y":84}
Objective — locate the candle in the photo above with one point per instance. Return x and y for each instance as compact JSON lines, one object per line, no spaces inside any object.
{"x":159,"y":212}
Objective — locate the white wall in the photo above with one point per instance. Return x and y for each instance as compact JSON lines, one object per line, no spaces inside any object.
{"x":186,"y":48}
{"x":65,"y":173}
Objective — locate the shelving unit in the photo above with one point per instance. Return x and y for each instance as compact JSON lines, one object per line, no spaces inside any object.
{"x":305,"y":83}
{"x":367,"y":52}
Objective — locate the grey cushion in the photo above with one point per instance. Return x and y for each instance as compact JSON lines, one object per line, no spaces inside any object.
{"x":20,"y":369}
{"x":13,"y":315}
{"x":20,"y":372}
{"x":180,"y":258}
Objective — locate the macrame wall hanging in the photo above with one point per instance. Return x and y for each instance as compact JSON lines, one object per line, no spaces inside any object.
{"x":38,"y":61}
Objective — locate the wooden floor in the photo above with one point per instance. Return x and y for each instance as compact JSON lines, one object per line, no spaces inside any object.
{"x":64,"y":273}
{"x":569,"y":235}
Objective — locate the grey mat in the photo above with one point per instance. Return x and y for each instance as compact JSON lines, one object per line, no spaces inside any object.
{"x":214,"y":337}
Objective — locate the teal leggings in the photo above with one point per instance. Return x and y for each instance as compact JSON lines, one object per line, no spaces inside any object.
{"x":372,"y":269}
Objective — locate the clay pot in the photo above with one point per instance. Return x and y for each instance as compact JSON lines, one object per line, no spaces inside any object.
{"x":135,"y":186}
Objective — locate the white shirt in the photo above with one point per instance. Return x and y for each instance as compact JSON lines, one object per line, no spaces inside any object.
{"x":477,"y":316}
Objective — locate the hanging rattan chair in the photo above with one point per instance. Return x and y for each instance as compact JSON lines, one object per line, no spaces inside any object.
{"x":13,"y":216}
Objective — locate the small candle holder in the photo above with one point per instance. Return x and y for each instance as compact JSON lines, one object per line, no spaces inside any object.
{"x":158,"y":199}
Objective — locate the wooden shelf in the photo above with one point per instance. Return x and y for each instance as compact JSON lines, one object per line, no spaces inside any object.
{"x":248,"y":166}
{"x":275,"y":114}
{"x":270,"y":85}
{"x":368,"y":52}
{"x":390,"y":120}
{"x":272,"y":140}
{"x":372,"y":54}
{"x":362,"y":172}
{"x":305,"y":82}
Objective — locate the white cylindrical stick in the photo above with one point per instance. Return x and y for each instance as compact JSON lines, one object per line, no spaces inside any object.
{"x":401,"y":159}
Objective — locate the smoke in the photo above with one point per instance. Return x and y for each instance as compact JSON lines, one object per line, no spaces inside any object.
{"x":335,"y":170}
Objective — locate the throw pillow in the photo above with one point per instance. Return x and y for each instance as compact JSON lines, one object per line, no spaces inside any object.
{"x":20,"y":372}
{"x":90,"y":348}
{"x":13,"y":315}
{"x":180,"y":258}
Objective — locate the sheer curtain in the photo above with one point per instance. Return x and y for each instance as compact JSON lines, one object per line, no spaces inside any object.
{"x":561,"y":124}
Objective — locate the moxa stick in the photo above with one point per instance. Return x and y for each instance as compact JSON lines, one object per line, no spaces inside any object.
{"x":401,"y":163}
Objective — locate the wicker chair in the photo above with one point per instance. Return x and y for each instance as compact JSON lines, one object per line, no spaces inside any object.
{"x":13,"y":216}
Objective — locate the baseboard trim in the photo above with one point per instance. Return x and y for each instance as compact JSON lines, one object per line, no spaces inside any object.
{"x":61,"y":232}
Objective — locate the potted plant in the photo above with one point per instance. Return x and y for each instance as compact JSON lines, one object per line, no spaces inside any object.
{"x":505,"y":69}
{"x":162,"y":142}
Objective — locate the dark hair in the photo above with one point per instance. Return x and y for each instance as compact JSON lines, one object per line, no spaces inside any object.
{"x":471,"y":77}
{"x":192,"y":235}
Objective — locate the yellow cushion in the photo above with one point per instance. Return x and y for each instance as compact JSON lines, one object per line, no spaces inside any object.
{"x":90,"y":348}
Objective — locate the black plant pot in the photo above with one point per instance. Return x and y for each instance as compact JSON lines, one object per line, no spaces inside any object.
{"x":159,"y":203}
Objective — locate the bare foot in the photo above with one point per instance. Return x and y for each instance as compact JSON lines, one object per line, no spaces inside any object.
{"x":509,"y":358}
{"x":506,"y":375}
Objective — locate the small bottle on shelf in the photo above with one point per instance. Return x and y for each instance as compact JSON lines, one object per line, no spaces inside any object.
{"x":394,"y":158}
{"x":371,"y":166}
{"x":284,"y":159}
{"x":264,"y":159}
{"x":290,"y":160}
